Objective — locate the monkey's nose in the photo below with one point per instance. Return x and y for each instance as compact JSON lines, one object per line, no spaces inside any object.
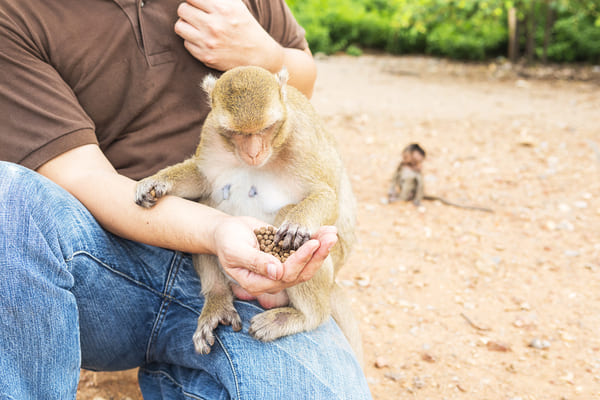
{"x":254,"y":160}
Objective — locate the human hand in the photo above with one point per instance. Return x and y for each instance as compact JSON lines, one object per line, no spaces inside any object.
{"x":223,"y":34}
{"x":258,"y":272}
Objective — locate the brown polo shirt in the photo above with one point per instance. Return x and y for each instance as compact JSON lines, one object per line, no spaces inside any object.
{"x":112,"y":72}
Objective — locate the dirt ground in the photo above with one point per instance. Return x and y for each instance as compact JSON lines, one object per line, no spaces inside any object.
{"x":458,"y":304}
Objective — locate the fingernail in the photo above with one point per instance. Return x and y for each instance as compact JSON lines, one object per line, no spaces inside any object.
{"x":272,"y":271}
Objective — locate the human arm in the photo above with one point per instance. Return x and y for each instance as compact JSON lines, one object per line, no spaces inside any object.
{"x":181,"y":224}
{"x":224,"y":34}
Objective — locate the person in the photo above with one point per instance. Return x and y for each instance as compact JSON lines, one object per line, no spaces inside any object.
{"x":95,"y":95}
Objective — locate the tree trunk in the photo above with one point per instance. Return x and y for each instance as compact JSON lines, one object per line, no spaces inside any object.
{"x":547,"y":30}
{"x":513,"y":40}
{"x":531,"y":25}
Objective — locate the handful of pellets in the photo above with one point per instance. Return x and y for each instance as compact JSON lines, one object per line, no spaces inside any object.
{"x":266,"y":238}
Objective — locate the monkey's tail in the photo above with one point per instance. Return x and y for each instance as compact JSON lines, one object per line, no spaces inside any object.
{"x":341,"y":311}
{"x":449,"y":203}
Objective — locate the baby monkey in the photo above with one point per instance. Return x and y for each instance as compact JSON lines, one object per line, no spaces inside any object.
{"x":408,"y":184}
{"x":264,"y":153}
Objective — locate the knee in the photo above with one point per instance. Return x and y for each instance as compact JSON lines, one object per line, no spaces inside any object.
{"x":318,"y":364}
{"x":21,"y":186}
{"x":35,"y":210}
{"x":27,"y":194}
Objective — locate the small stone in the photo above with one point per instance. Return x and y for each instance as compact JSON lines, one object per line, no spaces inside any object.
{"x":571,"y":253}
{"x":539,"y":344}
{"x":394,"y":376}
{"x":498,"y":346}
{"x":418,"y":382}
{"x":565,"y":225}
{"x":461,"y":388}
{"x":564,"y":207}
{"x":381,"y":362}
{"x":363,"y":280}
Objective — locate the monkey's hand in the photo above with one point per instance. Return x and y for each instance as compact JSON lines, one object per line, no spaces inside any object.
{"x":292,"y":235}
{"x":149,"y":190}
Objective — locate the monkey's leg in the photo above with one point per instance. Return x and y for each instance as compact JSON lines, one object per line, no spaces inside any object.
{"x":310,"y":305}
{"x":218,"y":303}
{"x":182,"y":180}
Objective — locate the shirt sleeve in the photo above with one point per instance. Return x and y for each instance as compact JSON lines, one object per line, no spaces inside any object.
{"x":277,"y":19}
{"x":40,"y":116}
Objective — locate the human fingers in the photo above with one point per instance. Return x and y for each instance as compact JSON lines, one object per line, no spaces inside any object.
{"x":253,"y":284}
{"x":252,"y":259}
{"x":327,"y":237}
{"x":208,"y":6}
{"x":192,"y":15}
{"x":305,"y":262}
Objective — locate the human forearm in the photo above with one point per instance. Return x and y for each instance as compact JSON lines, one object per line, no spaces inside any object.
{"x":174,"y":223}
{"x":302,"y":69}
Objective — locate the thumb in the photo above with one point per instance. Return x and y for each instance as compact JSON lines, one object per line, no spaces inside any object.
{"x":259,"y":262}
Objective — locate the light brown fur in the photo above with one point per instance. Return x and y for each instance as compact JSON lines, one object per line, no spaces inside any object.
{"x":260,"y":126}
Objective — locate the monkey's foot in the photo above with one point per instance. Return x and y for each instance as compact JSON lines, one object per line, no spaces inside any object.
{"x":278,"y":322}
{"x":292,"y":235}
{"x":148,"y":191}
{"x":204,"y":336}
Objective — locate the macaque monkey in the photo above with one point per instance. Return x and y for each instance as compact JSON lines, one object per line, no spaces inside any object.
{"x":408,"y":184}
{"x":264,"y":153}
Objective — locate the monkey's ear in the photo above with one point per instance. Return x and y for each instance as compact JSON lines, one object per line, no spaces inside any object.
{"x":208,"y":84}
{"x":282,"y":77}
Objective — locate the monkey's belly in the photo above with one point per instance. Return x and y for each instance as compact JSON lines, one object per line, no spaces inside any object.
{"x":257,"y":194}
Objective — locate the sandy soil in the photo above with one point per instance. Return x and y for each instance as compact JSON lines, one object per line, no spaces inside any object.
{"x":458,"y":304}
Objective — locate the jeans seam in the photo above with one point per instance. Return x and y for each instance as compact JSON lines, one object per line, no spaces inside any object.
{"x":233,"y":370}
{"x":129,"y":278}
{"x":174,"y":381}
{"x":115,"y":271}
{"x":164,"y":305}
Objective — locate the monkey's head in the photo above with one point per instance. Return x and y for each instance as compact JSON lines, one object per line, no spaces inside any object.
{"x":248,"y":109}
{"x":413,"y":155}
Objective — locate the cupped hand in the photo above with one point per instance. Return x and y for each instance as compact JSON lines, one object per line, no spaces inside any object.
{"x":257,"y":272}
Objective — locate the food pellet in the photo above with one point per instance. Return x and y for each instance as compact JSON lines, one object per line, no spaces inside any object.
{"x":266,"y":238}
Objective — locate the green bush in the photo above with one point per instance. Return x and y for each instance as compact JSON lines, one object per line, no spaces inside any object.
{"x":461,"y":29}
{"x":576,"y":38}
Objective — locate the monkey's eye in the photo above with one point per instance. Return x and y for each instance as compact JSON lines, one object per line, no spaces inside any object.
{"x":269,"y":130}
{"x":228,"y":133}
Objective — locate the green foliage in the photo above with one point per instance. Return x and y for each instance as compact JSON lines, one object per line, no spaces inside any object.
{"x":462,"y":29}
{"x":576,"y":38}
{"x":353,"y":50}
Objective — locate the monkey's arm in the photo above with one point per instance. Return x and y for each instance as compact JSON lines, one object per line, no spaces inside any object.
{"x":395,"y":185}
{"x":300,"y":221}
{"x":182,"y":180}
{"x":419,"y":190}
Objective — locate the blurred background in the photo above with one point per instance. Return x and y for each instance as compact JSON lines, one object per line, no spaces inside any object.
{"x":544,"y":30}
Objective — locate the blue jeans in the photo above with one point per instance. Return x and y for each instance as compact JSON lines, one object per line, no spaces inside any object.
{"x":74,"y":296}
